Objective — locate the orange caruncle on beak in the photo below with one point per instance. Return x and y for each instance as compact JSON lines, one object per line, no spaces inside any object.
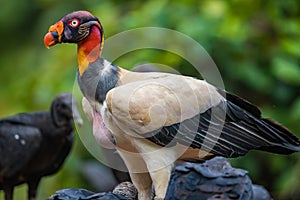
{"x":54,"y":35}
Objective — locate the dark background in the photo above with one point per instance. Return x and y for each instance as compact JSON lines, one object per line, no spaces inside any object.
{"x":255,"y":45}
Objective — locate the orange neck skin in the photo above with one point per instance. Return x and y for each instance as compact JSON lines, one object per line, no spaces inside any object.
{"x":89,"y":49}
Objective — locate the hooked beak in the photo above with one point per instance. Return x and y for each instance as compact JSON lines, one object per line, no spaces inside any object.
{"x":54,"y":34}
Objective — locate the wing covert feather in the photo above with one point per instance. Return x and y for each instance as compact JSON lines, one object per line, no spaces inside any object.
{"x":147,"y":105}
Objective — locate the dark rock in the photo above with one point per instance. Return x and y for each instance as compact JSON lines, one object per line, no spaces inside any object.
{"x":123,"y":191}
{"x":213,"y":179}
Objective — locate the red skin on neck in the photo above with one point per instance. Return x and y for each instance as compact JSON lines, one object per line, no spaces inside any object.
{"x":89,"y":49}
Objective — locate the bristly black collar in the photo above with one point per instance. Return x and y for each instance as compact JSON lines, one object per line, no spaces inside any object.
{"x":100,"y":77}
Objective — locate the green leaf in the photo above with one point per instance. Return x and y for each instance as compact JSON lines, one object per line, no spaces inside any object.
{"x":291,"y":46}
{"x":296,"y":110}
{"x":286,"y":70}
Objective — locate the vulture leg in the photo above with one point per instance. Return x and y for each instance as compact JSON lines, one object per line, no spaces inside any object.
{"x":159,"y":164}
{"x":161,"y":180}
{"x":32,"y":188}
{"x":143,"y":183}
{"x":139,"y":174}
{"x":8,"y":192}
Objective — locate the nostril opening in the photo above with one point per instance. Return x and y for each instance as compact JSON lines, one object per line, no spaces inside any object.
{"x":54,"y":34}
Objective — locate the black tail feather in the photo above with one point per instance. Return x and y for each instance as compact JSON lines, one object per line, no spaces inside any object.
{"x":272,"y":136}
{"x":286,"y":142}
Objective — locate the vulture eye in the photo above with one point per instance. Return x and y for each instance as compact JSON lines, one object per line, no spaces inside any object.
{"x":74,"y":23}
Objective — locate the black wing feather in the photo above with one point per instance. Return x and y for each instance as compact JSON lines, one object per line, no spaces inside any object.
{"x":230,"y":129}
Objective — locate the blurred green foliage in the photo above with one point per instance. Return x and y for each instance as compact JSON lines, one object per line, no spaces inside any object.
{"x":255,"y":45}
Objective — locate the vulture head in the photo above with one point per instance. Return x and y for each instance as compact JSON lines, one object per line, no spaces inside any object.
{"x":64,"y":110}
{"x":73,"y":28}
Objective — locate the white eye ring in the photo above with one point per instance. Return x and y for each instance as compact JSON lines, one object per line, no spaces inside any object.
{"x":74,"y":23}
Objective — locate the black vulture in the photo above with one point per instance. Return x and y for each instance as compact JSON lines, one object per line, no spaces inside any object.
{"x":33,"y":145}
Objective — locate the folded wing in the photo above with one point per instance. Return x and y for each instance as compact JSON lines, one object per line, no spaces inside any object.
{"x":176,"y":109}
